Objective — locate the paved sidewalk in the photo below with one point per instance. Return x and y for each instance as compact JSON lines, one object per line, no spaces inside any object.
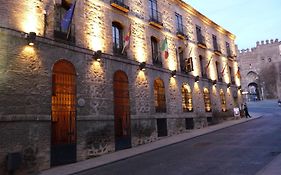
{"x":123,"y":154}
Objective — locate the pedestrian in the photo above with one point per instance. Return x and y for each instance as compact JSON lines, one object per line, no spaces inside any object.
{"x":246,"y":111}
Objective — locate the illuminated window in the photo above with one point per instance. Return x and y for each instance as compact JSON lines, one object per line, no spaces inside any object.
{"x":207,"y":100}
{"x":117,"y":38}
{"x":159,"y":96}
{"x":223,"y":100}
{"x":186,"y":98}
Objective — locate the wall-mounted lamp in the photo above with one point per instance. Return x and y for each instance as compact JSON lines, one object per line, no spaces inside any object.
{"x":173,"y":73}
{"x":31,"y":36}
{"x":228,"y":85}
{"x":97,"y":55}
{"x":196,"y":79}
{"x":142,"y":66}
{"x":214,"y":82}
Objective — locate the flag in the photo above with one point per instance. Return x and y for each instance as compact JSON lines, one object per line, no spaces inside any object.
{"x":222,"y":72}
{"x":164,"y":48}
{"x":238,"y":73}
{"x":66,"y":21}
{"x":127,"y":40}
{"x":208,"y":64}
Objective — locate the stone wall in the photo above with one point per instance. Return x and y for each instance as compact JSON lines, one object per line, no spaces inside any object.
{"x":260,"y":65}
{"x":26,"y":77}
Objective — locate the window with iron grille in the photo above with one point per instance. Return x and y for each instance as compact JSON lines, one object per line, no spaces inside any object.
{"x":117,"y":38}
{"x":186,"y":98}
{"x":60,"y":33}
{"x":179,"y":24}
{"x":207,"y":100}
{"x":156,"y":56}
{"x":159,"y":96}
{"x":228,"y":51}
{"x":155,"y":16}
{"x":200,"y":37}
{"x":215,"y":43}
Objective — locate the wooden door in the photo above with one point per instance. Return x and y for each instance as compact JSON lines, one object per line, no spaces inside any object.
{"x":122,"y":111}
{"x":63,"y":141}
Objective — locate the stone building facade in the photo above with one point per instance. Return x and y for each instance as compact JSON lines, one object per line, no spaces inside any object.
{"x":260,"y":69}
{"x":76,"y":94}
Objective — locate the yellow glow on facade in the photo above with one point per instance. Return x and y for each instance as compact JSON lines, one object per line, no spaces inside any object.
{"x":172,"y":64}
{"x":29,"y":56}
{"x":173,"y":82}
{"x":95,"y":37}
{"x":196,"y":87}
{"x":32,"y":18}
{"x":141,"y":76}
{"x":140,"y":50}
{"x":96,"y":68}
{"x":236,"y":77}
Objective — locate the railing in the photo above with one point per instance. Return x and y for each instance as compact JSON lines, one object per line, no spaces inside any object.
{"x":119,"y":4}
{"x":64,"y":35}
{"x":229,"y":53}
{"x":118,"y":51}
{"x":157,"y":59}
{"x":155,"y":18}
{"x":217,"y":48}
{"x":201,"y":40}
{"x":180,"y":32}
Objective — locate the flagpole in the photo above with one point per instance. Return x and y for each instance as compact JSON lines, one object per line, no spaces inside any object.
{"x":190,"y":52}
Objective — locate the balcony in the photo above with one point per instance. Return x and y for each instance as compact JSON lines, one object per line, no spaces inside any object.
{"x":201,"y":42}
{"x":217,"y":49}
{"x":181,"y":33}
{"x":117,"y":51}
{"x":119,"y":4}
{"x":230,"y":54}
{"x":155,"y":19}
{"x":157,"y":59}
{"x":62,"y":35}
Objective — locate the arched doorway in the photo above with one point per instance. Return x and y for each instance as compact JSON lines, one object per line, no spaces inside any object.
{"x":186,"y":98}
{"x":122,"y":120}
{"x":63,"y":141}
{"x":223,"y":101}
{"x":207,"y":100}
{"x":254,"y":94}
{"x":159,"y":96}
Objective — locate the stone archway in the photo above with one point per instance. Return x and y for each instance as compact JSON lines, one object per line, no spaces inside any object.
{"x":253,"y":90}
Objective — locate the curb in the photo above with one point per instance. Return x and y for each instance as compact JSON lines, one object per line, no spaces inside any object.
{"x":113,"y":157}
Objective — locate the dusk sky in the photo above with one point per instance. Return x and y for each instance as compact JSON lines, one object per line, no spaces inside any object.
{"x":249,"y":20}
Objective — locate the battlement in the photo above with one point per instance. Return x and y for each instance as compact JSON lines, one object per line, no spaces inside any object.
{"x":259,"y":44}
